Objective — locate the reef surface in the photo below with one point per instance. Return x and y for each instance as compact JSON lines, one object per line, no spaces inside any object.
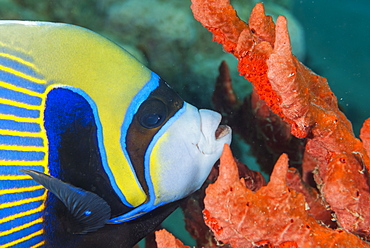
{"x":323,"y":200}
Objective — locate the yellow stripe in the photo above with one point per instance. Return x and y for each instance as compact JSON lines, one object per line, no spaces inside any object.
{"x":18,"y":228}
{"x":24,"y":148}
{"x":23,"y":239}
{"x":20,"y":89}
{"x":23,"y":75}
{"x":19,"y":60}
{"x":24,"y":163}
{"x":23,"y":134}
{"x":17,"y":49}
{"x":44,"y":162}
{"x":20,"y":190}
{"x":44,"y":136}
{"x":29,"y":212}
{"x":38,"y":245}
{"x":16,"y":177}
{"x":19,"y":104}
{"x":21,"y":202}
{"x":20,"y":119}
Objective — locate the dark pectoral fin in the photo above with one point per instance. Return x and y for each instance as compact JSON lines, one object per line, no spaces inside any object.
{"x":90,"y":210}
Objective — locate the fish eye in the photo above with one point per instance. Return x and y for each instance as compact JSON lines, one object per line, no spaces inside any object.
{"x":152,"y":113}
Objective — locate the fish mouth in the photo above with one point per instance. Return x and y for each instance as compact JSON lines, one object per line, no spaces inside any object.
{"x":213,"y":134}
{"x":222,"y":131}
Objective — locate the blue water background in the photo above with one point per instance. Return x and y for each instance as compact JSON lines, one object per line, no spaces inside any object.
{"x":337,"y":41}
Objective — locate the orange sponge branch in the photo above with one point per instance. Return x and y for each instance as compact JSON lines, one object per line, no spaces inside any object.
{"x":304,"y":100}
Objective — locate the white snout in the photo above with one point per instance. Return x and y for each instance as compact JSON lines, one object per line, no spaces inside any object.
{"x":184,"y":154}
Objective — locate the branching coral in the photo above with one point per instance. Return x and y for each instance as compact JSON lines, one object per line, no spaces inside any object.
{"x":274,"y":213}
{"x":194,"y":205}
{"x":302,"y":99}
{"x":166,"y":239}
{"x":253,"y":120}
{"x":292,"y":210}
{"x":273,"y":216}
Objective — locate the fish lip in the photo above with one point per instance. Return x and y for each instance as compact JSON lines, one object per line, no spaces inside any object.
{"x":213,"y":133}
{"x":222,"y":131}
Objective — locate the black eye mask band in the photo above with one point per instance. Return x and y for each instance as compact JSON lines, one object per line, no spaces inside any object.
{"x":153,"y":113}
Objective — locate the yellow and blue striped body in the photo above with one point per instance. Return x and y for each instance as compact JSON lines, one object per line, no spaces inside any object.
{"x":22,"y":135}
{"x":59,"y":81}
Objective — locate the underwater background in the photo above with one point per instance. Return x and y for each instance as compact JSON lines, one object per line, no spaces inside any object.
{"x":329,"y":37}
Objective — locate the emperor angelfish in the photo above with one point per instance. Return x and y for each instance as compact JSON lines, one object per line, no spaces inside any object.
{"x":90,"y":137}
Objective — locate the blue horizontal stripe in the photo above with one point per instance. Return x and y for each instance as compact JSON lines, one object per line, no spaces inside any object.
{"x":10,"y":184}
{"x":31,"y":242}
{"x":18,"y":111}
{"x":19,"y":67}
{"x":20,"y":126}
{"x":15,"y":169}
{"x":20,"y":141}
{"x":21,"y":155}
{"x":19,"y":97}
{"x":21,"y":82}
{"x":20,"y":196}
{"x":16,"y":209}
{"x":16,"y":54}
{"x":21,"y":233}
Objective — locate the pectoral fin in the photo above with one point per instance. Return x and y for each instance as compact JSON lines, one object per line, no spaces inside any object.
{"x":90,"y":210}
